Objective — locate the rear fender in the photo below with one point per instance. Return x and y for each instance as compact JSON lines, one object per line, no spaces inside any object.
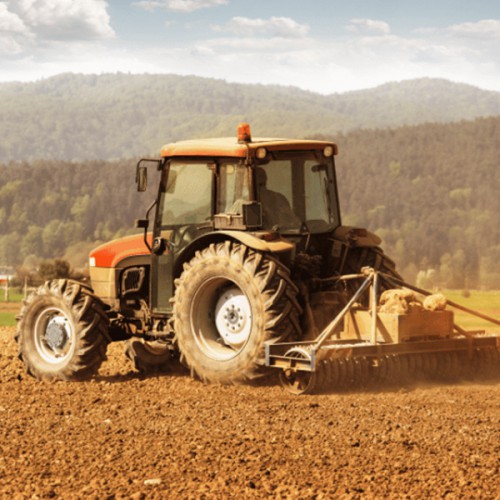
{"x":258,"y":242}
{"x":356,"y":237}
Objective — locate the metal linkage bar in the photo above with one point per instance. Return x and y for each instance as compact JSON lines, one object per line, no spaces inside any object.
{"x":343,"y":277}
{"x":374,"y":300}
{"x":398,"y":282}
{"x":330,"y":328}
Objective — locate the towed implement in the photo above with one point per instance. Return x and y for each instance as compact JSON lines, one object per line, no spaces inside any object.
{"x":399,"y":341}
{"x":244,"y":268}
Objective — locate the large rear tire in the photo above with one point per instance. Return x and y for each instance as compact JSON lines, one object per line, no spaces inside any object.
{"x":375,"y":258}
{"x":62,"y":331}
{"x":370,"y":257}
{"x":229,"y":301}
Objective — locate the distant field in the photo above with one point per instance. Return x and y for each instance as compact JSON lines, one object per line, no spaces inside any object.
{"x":7,"y":319}
{"x":486,"y":302}
{"x":8,"y":311}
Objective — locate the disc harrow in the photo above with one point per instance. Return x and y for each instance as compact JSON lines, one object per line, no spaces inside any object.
{"x":342,"y":374}
{"x":428,"y":347}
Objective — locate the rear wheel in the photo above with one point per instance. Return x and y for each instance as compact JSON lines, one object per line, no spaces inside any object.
{"x":229,"y":301}
{"x":62,"y":331}
{"x":370,"y":257}
{"x":375,"y":258}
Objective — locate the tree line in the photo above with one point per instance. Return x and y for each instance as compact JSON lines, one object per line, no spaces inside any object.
{"x":430,"y":191}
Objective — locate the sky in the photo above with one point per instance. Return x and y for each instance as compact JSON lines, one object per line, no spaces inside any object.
{"x":324,"y":46}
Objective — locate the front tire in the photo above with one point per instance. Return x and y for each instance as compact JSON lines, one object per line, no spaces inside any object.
{"x":149,"y":357}
{"x":230,"y":300}
{"x":62,"y":331}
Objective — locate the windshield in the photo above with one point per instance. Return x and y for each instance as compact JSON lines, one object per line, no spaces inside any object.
{"x":187,"y":196}
{"x":297,"y":188}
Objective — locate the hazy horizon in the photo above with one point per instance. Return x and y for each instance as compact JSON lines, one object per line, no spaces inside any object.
{"x":324,"y":46}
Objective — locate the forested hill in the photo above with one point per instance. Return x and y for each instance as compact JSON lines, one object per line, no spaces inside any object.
{"x":78,"y":117}
{"x":431,"y":191}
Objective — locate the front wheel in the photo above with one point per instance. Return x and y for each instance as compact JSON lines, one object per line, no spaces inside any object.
{"x":228,"y":302}
{"x":149,"y":357}
{"x":62,"y":331}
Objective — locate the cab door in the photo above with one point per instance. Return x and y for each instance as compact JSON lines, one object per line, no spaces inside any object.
{"x":184,"y":212}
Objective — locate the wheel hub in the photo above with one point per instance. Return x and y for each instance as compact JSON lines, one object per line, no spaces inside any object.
{"x":56,"y":335}
{"x":233,"y":317}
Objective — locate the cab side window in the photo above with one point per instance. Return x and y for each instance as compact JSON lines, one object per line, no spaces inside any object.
{"x":233,"y":187}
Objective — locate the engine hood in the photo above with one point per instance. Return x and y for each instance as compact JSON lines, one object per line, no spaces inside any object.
{"x":112,"y":253}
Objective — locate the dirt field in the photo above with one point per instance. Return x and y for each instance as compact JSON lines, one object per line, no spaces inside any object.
{"x":125,"y":436}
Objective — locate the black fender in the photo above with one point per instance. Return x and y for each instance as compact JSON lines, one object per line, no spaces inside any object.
{"x":356,"y":237}
{"x":265,"y":242}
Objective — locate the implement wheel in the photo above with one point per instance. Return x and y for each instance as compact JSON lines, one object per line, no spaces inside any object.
{"x":229,"y":301}
{"x":62,"y":331}
{"x":298,"y":381}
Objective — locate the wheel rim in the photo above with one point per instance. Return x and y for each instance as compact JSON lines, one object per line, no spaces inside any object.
{"x":221,"y":319}
{"x":54,"y":335}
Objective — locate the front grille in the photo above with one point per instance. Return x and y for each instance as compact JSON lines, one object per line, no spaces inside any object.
{"x":132,"y":279}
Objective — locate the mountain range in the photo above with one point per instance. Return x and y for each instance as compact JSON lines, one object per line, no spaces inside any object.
{"x":113,"y":116}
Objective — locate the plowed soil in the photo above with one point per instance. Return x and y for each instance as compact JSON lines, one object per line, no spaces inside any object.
{"x":122,"y":435}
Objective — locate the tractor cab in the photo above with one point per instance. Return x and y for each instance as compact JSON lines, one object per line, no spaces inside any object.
{"x":263,"y":185}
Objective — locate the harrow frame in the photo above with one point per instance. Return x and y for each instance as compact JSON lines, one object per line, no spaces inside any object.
{"x":302,"y":363}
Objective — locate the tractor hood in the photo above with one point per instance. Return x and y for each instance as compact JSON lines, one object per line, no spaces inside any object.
{"x":112,"y":253}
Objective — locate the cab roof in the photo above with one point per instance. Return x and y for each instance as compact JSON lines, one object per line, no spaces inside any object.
{"x":230,"y":146}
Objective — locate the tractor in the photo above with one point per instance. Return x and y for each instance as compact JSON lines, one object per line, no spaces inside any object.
{"x":242,"y":267}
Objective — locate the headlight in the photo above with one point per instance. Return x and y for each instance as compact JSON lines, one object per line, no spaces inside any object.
{"x":328,"y":151}
{"x":261,"y":153}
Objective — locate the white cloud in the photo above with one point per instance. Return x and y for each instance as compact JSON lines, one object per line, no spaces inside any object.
{"x":13,"y":32}
{"x":10,"y":22}
{"x":67,"y":20}
{"x":274,"y":50}
{"x":486,"y":29}
{"x":254,"y":46}
{"x":9,"y":46}
{"x":179,"y":5}
{"x":370,"y":26}
{"x":282,"y":27}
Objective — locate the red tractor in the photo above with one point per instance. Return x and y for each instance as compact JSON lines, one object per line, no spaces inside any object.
{"x":243,"y":267}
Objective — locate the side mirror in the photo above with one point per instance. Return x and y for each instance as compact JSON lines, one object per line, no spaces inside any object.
{"x":141,"y":178}
{"x":141,"y":223}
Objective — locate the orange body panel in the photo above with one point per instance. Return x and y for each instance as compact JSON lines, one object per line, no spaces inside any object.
{"x":112,"y":253}
{"x":230,"y":146}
